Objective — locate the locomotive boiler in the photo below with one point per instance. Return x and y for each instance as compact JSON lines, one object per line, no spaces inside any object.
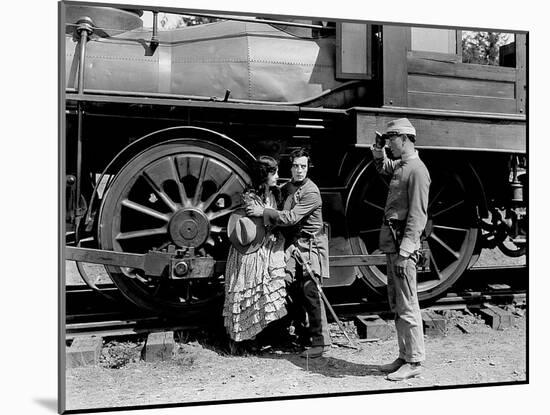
{"x":161,"y":128}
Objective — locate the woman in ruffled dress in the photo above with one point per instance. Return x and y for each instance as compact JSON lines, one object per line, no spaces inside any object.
{"x":254,"y":277}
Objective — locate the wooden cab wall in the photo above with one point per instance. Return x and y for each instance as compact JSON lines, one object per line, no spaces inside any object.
{"x":453,"y":105}
{"x":431,"y":77}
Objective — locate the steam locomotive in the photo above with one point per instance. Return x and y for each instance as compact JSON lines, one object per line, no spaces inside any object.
{"x":161,"y":128}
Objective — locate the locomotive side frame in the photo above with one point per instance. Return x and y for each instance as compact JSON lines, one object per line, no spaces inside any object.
{"x":258,"y":127}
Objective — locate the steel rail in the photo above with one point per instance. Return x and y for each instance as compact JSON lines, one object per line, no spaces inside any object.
{"x":121,"y":323}
{"x":148,"y":324}
{"x":119,"y":328}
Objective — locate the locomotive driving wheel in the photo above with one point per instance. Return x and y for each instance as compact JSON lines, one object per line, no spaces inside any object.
{"x":178,"y":193}
{"x":451,"y":231}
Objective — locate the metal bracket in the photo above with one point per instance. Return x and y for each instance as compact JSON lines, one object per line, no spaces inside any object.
{"x":177,"y":264}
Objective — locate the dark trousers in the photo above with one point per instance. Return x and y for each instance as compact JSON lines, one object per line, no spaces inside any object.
{"x":309,"y":303}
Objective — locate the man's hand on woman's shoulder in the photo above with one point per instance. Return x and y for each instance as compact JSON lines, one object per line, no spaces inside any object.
{"x":254,"y":209}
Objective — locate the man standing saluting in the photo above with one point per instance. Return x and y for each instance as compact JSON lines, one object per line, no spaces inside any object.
{"x":302,"y":221}
{"x":405,"y":217}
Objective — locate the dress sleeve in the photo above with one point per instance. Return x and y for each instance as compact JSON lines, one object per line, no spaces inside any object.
{"x":246,"y":197}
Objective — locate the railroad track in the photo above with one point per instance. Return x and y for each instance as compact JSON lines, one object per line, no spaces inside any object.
{"x":88,"y":313}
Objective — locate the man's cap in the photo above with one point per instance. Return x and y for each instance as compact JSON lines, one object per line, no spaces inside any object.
{"x":245,"y":233}
{"x":400,"y":126}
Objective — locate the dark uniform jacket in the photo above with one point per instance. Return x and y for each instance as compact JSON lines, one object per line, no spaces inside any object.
{"x":302,"y":218}
{"x":407,"y":200}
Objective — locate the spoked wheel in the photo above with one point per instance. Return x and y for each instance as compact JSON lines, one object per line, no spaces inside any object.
{"x":179,"y":193}
{"x":451,"y":231}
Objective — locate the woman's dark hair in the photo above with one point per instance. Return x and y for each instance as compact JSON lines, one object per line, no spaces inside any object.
{"x":263,"y":166}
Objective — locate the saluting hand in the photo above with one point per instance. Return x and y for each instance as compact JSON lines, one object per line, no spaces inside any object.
{"x":379,"y":140}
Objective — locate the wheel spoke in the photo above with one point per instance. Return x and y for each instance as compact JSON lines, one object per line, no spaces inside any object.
{"x":145,"y":210}
{"x":141,"y":233}
{"x":163,"y":246}
{"x":202,"y":174}
{"x":188,"y":295}
{"x":206,"y":204}
{"x":436,"y":268}
{"x":451,"y":228}
{"x":436,"y":196}
{"x":217,"y":215}
{"x":157,"y":288}
{"x":182,"y":164}
{"x":160,"y":193}
{"x":185,"y":201}
{"x":444,"y":245}
{"x":460,"y":202}
{"x":373,"y":205}
{"x":371,"y":230}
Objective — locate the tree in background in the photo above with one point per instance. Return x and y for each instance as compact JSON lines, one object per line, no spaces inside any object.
{"x":483,"y":47}
{"x":171,"y":21}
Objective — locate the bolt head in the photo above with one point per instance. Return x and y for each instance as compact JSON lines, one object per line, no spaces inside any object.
{"x":181,"y":268}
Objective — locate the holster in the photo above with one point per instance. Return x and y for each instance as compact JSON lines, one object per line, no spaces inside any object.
{"x":397,"y":228}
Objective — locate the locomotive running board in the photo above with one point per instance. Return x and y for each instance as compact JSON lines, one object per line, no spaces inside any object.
{"x":154,"y":263}
{"x":357,"y":260}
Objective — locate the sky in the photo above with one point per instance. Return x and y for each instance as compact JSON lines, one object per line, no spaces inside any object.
{"x":171,"y":20}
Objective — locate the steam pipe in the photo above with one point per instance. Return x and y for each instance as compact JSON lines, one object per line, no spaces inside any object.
{"x":84,"y":29}
{"x":179,"y":97}
{"x":154,"y":38}
{"x":253,"y":20}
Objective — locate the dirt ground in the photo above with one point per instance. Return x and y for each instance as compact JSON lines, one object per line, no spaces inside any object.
{"x":202,"y":370}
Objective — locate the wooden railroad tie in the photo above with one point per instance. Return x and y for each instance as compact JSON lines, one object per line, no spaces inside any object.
{"x":434,"y":324}
{"x":496,"y":317}
{"x":158,"y":347}
{"x":372,"y":327}
{"x":84,"y":351}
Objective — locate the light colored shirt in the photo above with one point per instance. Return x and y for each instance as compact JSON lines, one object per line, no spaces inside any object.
{"x":407,"y":199}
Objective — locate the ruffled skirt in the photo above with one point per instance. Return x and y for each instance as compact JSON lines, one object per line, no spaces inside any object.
{"x":254,"y":289}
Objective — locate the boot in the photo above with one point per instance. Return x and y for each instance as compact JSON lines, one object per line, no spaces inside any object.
{"x":393,"y":366}
{"x":408,"y":370}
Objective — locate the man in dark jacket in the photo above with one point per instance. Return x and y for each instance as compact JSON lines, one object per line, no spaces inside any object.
{"x":302,"y":221}
{"x":405,"y":217}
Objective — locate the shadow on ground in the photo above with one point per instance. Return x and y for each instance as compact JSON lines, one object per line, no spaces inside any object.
{"x":328,"y":365}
